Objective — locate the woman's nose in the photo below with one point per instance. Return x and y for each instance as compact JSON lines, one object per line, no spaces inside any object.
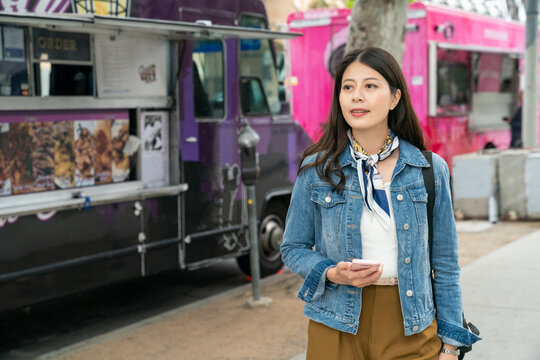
{"x":357,"y":96}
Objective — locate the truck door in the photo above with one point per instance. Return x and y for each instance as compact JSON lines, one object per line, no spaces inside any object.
{"x":209,"y":154}
{"x":281,"y":139}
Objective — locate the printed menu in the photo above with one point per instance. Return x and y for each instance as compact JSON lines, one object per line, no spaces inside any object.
{"x":64,"y":156}
{"x":5,"y":178}
{"x":103,"y":152}
{"x":43,"y":156}
{"x":19,"y":155}
{"x":120,"y":135}
{"x":84,"y":153}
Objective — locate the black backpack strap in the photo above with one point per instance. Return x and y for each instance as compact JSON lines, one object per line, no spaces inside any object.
{"x":429,"y":183}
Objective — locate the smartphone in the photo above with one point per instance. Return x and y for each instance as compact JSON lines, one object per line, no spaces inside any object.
{"x":361,"y":264}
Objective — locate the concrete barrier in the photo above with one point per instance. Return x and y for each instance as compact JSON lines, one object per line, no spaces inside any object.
{"x":512,"y":183}
{"x":474,"y":181}
{"x":507,"y":182}
{"x":532,"y":185}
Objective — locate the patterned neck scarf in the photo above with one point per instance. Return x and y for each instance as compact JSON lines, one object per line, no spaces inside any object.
{"x":371,"y":181}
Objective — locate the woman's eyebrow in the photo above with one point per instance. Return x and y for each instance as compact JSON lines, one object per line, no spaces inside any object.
{"x":365,"y":79}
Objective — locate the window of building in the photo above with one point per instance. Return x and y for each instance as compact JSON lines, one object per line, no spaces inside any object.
{"x":453,"y":81}
{"x":208,"y":79}
{"x":257,"y":60}
{"x":13,"y":70}
{"x":495,"y":72}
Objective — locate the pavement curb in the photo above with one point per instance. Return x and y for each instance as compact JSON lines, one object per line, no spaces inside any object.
{"x":267,"y":281}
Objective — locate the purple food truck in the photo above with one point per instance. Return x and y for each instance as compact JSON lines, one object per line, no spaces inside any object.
{"x":118,"y":140}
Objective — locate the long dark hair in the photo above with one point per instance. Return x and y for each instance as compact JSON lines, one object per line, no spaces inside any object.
{"x":402,"y":119}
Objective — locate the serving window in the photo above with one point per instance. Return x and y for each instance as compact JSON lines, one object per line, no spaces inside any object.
{"x":62,"y":63}
{"x":495,"y":85}
{"x":43,"y":150}
{"x":37,"y":62}
{"x":482,"y":85}
{"x":495,"y":73}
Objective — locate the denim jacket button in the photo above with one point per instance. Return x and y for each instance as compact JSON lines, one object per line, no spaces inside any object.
{"x":406,"y":227}
{"x":399,"y":197}
{"x":415,"y":328}
{"x":409,"y":293}
{"x":327,"y":199}
{"x":407,"y":260}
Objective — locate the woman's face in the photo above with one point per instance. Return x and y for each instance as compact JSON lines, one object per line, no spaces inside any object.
{"x":365,"y":98}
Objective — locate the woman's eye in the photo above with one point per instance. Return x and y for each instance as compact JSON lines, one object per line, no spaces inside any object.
{"x":371,"y":86}
{"x":347,"y":87}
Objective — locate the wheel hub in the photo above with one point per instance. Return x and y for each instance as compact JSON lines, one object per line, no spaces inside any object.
{"x":271,"y":236}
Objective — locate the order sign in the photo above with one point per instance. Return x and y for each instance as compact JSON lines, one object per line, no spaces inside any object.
{"x":61,"y":45}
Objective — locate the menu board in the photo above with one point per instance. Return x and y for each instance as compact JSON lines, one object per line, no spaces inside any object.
{"x":128,"y":66}
{"x":52,"y":153}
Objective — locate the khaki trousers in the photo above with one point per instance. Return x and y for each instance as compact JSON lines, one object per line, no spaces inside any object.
{"x":380,"y":334}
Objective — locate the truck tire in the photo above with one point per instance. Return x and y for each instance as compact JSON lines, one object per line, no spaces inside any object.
{"x":271,"y":230}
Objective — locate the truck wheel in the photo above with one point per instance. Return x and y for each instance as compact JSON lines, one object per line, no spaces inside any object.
{"x":271,"y":231}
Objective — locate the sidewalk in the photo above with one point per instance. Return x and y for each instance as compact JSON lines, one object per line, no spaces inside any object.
{"x":501,"y":291}
{"x":501,"y":295}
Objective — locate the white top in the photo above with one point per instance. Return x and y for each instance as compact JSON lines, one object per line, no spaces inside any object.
{"x":379,"y":243}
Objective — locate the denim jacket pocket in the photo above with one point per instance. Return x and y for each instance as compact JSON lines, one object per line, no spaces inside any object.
{"x":419,"y":199}
{"x":418,"y":194}
{"x":330,"y":204}
{"x":325,"y":196}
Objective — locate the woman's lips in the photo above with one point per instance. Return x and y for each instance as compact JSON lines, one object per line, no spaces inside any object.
{"x":359,"y":112}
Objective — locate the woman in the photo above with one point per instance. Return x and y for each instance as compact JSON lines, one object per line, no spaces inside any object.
{"x":360,"y":195}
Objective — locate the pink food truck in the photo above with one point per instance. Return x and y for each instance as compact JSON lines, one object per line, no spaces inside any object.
{"x":464,"y":72}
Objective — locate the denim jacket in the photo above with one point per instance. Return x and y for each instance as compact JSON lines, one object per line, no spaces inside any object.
{"x":323,"y":228}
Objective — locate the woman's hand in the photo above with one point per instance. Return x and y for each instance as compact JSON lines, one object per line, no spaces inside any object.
{"x":342,"y":274}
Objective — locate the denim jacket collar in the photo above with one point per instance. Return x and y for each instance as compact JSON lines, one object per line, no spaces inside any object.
{"x":408,"y":154}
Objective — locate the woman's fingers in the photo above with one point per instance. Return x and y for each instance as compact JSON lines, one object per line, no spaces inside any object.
{"x":344,"y":265}
{"x":343,"y":274}
{"x":367,"y":272}
{"x":338,"y":274}
{"x":366,"y":277}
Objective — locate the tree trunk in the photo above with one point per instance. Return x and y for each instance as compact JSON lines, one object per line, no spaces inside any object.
{"x":513,"y":8}
{"x":379,"y":23}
